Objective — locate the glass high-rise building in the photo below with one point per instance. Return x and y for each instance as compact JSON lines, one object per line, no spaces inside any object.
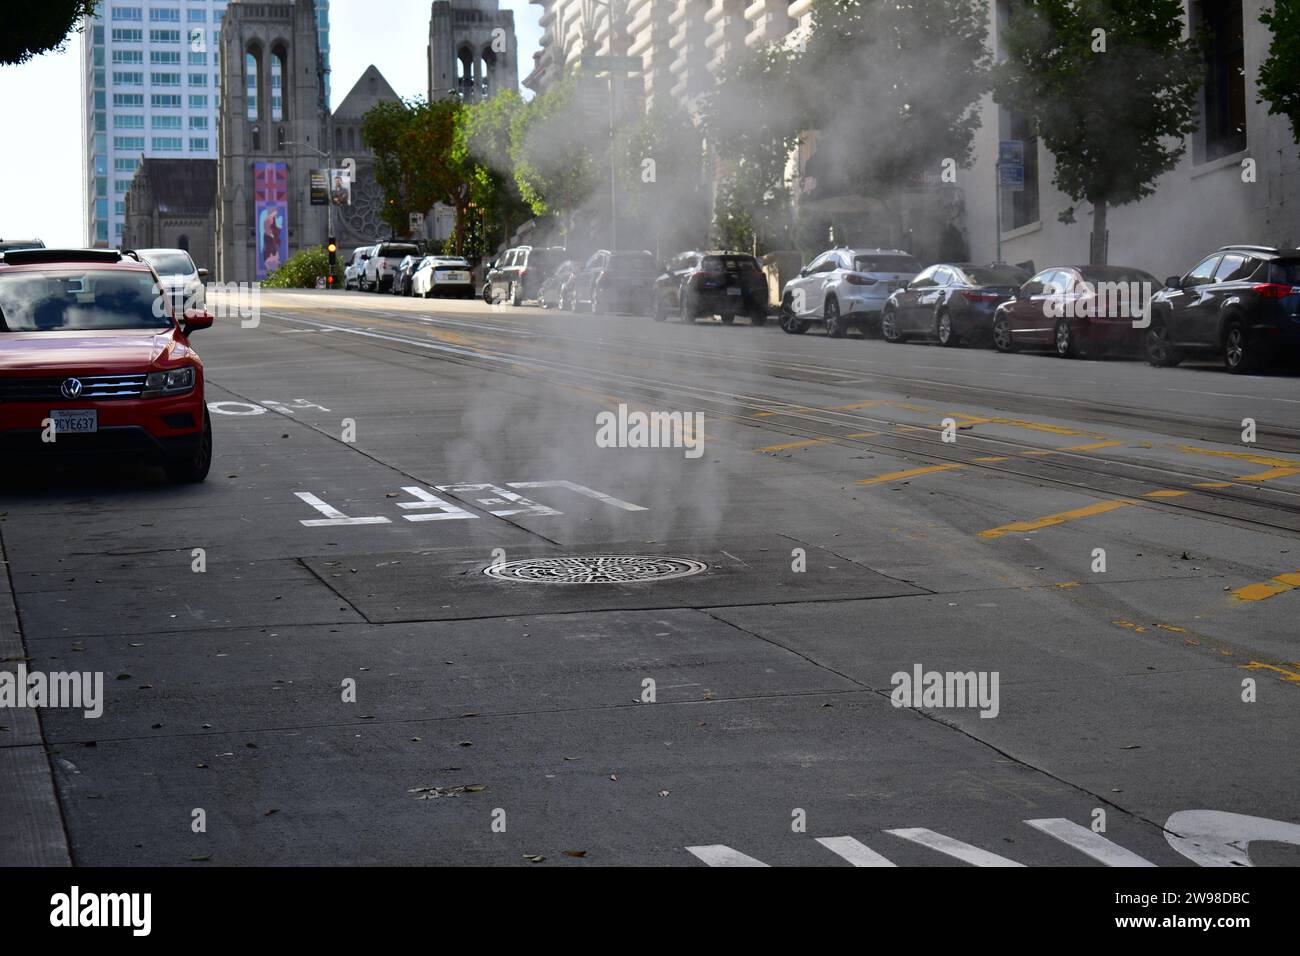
{"x":150,"y":74}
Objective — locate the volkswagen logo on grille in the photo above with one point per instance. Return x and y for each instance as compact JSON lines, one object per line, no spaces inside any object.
{"x":71,"y":388}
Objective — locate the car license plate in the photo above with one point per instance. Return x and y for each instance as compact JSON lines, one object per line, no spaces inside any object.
{"x":75,"y":421}
{"x":733,"y":291}
{"x":453,"y":277}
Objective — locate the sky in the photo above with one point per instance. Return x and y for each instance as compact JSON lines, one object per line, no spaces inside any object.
{"x":40,"y":106}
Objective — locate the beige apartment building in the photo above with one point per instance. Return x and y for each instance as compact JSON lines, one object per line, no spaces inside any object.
{"x":1209,"y":200}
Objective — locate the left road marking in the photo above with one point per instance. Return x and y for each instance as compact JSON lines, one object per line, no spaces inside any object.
{"x":910,"y":473}
{"x":1267,"y":589}
{"x":1047,"y":521}
{"x":333,"y":517}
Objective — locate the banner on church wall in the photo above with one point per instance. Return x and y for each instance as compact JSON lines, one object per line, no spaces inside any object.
{"x":271,"y":214}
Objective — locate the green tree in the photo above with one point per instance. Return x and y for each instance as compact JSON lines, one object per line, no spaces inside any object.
{"x":1112,"y":85}
{"x":482,"y":145}
{"x":384,"y":129}
{"x":1279,"y":75}
{"x":659,"y":170}
{"x":28,"y":29}
{"x":558,"y":149}
{"x":893,"y":86}
{"x":752,"y":122}
{"x":416,"y":163}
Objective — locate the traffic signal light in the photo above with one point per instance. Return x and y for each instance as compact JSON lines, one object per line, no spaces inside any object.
{"x":332,"y":248}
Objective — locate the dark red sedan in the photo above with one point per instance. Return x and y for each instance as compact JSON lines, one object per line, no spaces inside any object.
{"x":94,"y":361}
{"x":1073,"y":310}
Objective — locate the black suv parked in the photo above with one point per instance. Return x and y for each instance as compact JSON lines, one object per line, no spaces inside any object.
{"x":611,"y":281}
{"x":1242,"y":302}
{"x":697,"y":284}
{"x":519,"y":273}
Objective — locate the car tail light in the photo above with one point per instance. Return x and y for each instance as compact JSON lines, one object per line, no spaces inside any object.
{"x":852,"y":279}
{"x":980,"y":296}
{"x":1273,"y":290}
{"x":601,"y":276}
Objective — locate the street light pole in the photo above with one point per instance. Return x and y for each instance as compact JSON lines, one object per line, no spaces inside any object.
{"x":329,"y":164}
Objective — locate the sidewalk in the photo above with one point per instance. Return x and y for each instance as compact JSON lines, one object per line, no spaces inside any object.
{"x":31,"y":826}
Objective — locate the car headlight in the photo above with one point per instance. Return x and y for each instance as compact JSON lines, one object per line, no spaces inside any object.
{"x":169,"y":383}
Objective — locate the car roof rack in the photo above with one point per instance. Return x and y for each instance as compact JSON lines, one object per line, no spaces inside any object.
{"x":1272,"y":250}
{"x":22,"y":257}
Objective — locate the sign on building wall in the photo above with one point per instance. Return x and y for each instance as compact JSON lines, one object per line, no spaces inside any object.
{"x":271,"y":211}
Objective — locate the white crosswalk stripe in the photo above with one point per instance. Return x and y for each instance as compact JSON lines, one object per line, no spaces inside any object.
{"x":856,"y":853}
{"x":719,"y":854}
{"x":954,"y":848}
{"x":1093,"y":844}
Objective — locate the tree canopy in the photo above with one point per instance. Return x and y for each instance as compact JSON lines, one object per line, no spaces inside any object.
{"x":1112,"y":86}
{"x":29,"y":29}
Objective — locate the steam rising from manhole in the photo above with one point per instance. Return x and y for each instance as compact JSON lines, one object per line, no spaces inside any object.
{"x":596,"y":569}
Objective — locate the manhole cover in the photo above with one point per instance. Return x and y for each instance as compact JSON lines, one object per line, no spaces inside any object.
{"x":596,"y":569}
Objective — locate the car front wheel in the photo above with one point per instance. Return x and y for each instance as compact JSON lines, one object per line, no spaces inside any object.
{"x":1159,"y":348}
{"x":193,"y":467}
{"x":889,"y":327}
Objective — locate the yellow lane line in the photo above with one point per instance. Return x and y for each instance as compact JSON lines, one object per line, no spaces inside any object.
{"x":992,"y":458}
{"x":1022,"y":423}
{"x":1047,"y":521}
{"x":810,"y":442}
{"x":1242,"y":456}
{"x":1094,"y":446}
{"x":1213,"y":484}
{"x":1270,"y":475}
{"x":807,"y":442}
{"x":911,"y":473}
{"x":1267,"y":589}
{"x":1165,"y":493}
{"x":1288,"y":676}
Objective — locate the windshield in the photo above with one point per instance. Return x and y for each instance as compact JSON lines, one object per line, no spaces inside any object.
{"x":1006,"y":277}
{"x":1096,"y":274}
{"x":886,"y":264}
{"x":80,"y":301}
{"x":169,"y":263}
{"x":637,"y":262}
{"x":728,"y":263}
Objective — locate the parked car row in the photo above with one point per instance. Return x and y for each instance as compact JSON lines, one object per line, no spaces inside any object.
{"x":1240,"y":303}
{"x":372,"y":268}
{"x":689,"y":286}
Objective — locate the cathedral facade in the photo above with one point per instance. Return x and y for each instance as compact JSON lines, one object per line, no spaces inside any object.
{"x":274,"y":130}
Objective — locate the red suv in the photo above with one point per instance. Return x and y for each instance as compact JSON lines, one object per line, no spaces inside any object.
{"x":94,"y":361}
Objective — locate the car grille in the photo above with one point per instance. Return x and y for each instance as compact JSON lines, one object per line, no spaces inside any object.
{"x":97,"y":387}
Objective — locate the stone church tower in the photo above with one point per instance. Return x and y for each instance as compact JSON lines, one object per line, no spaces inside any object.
{"x":472,"y":50}
{"x":273,"y":111}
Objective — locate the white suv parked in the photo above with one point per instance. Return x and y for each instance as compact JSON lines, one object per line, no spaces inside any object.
{"x":843,"y":288}
{"x":383,"y":263}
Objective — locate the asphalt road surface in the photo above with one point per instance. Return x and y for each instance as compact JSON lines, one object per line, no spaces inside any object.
{"x":332,"y":677}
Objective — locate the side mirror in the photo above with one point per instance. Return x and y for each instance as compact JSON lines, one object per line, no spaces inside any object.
{"x":1174,"y":282}
{"x":803,"y":273}
{"x":904,"y":285}
{"x":195,"y":321}
{"x":203,"y":276}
